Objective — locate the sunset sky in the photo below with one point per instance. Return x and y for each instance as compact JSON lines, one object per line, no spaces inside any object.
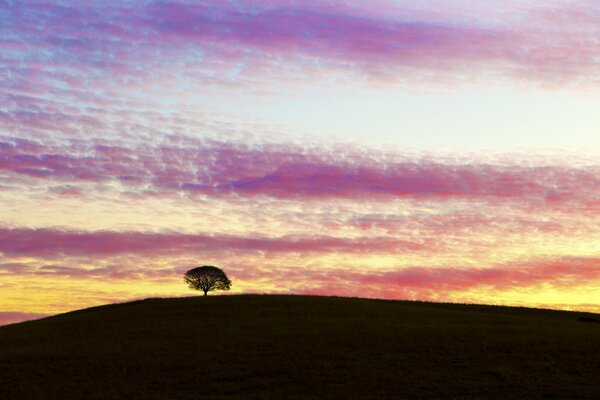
{"x":429,"y":150}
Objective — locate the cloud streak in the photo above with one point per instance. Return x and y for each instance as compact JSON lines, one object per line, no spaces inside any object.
{"x":10,"y":317}
{"x":249,"y":39}
{"x":220,"y":169}
{"x":50,"y":242}
{"x":427,"y":283}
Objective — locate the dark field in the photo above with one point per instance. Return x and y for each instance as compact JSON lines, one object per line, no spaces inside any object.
{"x":300,"y":347}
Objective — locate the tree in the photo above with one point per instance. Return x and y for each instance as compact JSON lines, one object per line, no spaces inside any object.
{"x":207,"y":278}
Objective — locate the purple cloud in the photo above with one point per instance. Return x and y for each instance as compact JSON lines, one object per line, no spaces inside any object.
{"x":51,"y":243}
{"x":219,"y":169}
{"x":393,"y":40}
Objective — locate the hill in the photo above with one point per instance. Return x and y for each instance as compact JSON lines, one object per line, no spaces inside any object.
{"x":300,"y":347}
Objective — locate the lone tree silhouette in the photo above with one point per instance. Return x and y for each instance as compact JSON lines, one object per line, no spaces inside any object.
{"x":207,"y":278}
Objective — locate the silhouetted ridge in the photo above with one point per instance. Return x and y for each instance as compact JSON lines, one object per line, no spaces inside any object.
{"x":300,"y":347}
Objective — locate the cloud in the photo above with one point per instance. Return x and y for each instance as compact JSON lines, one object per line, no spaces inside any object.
{"x":562,"y":272}
{"x":438,"y":283}
{"x":73,"y":72}
{"x":10,"y":317}
{"x":52,"y":242}
{"x":498,"y":221}
{"x":283,"y":171}
{"x":234,"y":41}
{"x":535,"y":275}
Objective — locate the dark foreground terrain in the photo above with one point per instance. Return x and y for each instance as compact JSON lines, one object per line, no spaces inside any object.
{"x":300,"y":347}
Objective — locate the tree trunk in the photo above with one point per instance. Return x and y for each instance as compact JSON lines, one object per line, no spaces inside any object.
{"x":206,"y":291}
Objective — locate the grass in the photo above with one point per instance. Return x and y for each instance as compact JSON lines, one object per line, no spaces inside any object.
{"x":300,"y":347}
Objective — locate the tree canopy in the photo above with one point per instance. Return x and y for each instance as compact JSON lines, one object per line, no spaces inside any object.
{"x":207,"y":278}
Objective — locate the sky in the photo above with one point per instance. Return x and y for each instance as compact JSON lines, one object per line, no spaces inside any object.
{"x":422,"y":150}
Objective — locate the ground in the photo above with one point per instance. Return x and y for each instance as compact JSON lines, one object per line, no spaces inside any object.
{"x":300,"y":347}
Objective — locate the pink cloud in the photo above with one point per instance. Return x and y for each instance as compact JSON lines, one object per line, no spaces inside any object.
{"x":316,"y":28}
{"x":383,"y":39}
{"x":439,"y":283}
{"x":565,"y":272}
{"x":283,"y":171}
{"x":51,"y":242}
{"x":464,"y":223}
{"x":11,"y":317}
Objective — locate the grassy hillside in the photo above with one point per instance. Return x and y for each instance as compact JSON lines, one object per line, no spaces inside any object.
{"x":300,"y":347}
